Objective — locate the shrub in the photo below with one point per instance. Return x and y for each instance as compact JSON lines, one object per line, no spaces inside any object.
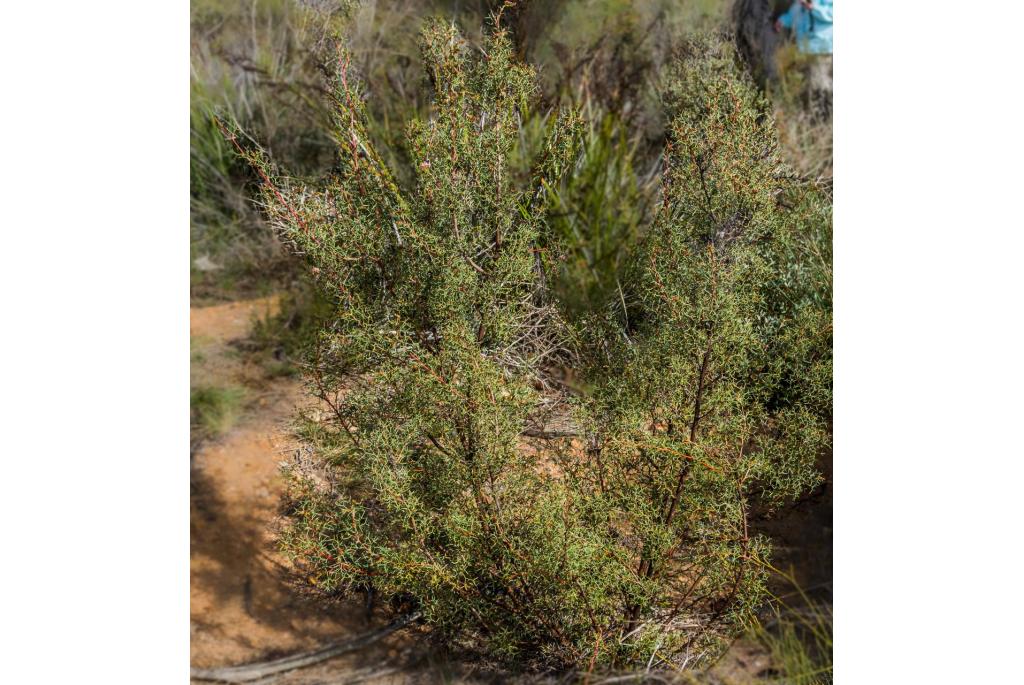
{"x":441,"y":334}
{"x":694,"y":416}
{"x":432,"y":475}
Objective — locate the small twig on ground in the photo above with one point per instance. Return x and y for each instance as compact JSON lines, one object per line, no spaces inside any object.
{"x":257,"y":671}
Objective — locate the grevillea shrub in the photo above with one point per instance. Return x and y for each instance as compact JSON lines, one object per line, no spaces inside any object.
{"x":446,"y":470}
{"x":712,"y":384}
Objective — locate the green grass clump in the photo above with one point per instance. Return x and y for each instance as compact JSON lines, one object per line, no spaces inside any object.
{"x":800,"y":645}
{"x":598,"y":214}
{"x":798,"y":638}
{"x":215,"y":409}
{"x":195,"y":348}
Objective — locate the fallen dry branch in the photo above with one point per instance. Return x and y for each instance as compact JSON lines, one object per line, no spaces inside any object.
{"x":550,"y":435}
{"x":251,"y":672}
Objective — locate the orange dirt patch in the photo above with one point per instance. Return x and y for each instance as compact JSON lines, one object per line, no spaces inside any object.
{"x":230,"y":321}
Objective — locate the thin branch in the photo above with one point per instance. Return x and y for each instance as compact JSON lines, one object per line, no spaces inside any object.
{"x":251,"y":672}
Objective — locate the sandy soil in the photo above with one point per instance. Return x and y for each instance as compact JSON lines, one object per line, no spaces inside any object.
{"x":231,"y":321}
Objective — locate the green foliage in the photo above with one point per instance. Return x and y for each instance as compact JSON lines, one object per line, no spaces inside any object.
{"x":703,"y":404}
{"x":597,"y":215}
{"x":215,"y":409}
{"x":429,"y":473}
{"x":799,"y":301}
{"x":442,"y":331}
{"x":260,"y":63}
{"x":257,"y":63}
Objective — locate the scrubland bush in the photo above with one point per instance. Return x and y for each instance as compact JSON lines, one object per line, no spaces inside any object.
{"x":448,"y":469}
{"x":695,"y":413}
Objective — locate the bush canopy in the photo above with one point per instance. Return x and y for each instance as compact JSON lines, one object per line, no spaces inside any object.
{"x":449,"y":469}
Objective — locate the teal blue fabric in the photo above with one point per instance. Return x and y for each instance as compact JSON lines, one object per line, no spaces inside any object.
{"x":811,"y":27}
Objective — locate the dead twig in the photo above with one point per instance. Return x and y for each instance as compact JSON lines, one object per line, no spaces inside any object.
{"x":257,"y":671}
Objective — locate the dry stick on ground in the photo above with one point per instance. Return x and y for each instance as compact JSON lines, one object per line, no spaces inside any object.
{"x":251,"y":672}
